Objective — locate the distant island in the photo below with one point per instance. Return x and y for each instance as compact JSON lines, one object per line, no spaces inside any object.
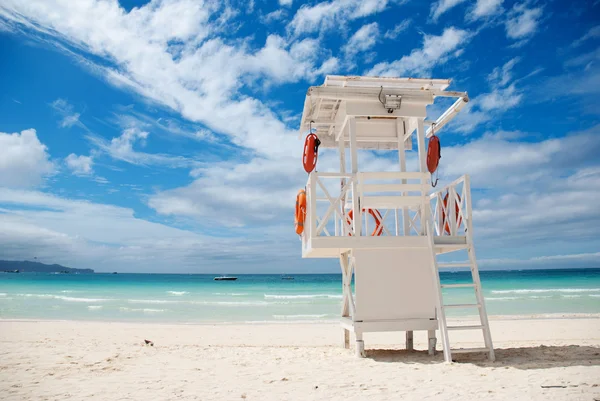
{"x":13,"y":266}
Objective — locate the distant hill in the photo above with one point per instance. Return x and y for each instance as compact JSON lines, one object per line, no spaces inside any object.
{"x":27,"y":266}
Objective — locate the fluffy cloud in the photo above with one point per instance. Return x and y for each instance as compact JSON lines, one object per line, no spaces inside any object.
{"x":363,"y":39}
{"x":328,"y":15}
{"x":436,"y":50}
{"x":485,"y":8}
{"x":69,"y":117}
{"x":522,"y":21}
{"x":107,"y":238}
{"x":503,"y":96}
{"x":79,"y":165}
{"x":397,"y":30}
{"x":121,"y":148}
{"x":24,"y":160}
{"x":440,"y":7}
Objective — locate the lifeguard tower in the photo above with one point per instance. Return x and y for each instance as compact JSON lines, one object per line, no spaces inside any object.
{"x":388,"y":227}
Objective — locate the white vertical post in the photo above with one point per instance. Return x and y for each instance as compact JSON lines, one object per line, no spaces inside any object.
{"x":342,"y":151}
{"x":312,"y":197}
{"x":422,"y":167}
{"x":357,"y":213}
{"x":346,"y":298}
{"x":409,"y":341}
{"x":402,"y":158}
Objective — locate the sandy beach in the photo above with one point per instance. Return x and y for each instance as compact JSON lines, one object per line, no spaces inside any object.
{"x":537,"y":359}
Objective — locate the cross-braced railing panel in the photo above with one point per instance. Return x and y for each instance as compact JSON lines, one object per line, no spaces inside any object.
{"x":450,"y":206}
{"x":387,"y":204}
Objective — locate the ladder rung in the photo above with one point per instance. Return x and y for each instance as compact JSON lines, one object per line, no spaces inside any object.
{"x":465,"y":327}
{"x":458,"y":285}
{"x":465,"y":350}
{"x":450,"y":265}
{"x":462,"y":306}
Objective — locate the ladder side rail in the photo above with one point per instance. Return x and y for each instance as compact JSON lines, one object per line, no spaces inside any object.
{"x":475,"y":272}
{"x":443,"y":326}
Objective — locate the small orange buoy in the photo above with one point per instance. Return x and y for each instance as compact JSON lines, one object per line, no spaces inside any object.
{"x":433,"y":153}
{"x":378,"y":221}
{"x":311,"y":152}
{"x":445,"y":221}
{"x":300,"y":211}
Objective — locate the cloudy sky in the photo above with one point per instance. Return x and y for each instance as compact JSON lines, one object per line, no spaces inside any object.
{"x":162,"y":136}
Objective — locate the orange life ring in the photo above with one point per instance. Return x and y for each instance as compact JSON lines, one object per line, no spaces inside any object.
{"x":445,"y":222}
{"x":434,"y":153}
{"x":378,"y":221}
{"x":311,"y":152}
{"x":300,"y":211}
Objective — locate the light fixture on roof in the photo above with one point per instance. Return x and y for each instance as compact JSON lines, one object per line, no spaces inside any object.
{"x":390,"y":102}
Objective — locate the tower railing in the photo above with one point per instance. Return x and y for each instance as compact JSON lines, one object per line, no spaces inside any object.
{"x":451,"y":207}
{"x":368,"y":203}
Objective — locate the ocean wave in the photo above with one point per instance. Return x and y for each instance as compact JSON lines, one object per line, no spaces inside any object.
{"x":65,"y":298}
{"x":144,"y":310}
{"x":539,"y":296}
{"x":539,"y":290}
{"x":501,"y":298}
{"x":94,"y":307}
{"x":312,"y":296}
{"x":177,"y":292}
{"x":233,"y":294}
{"x":232,"y":303}
{"x":153,"y":301}
{"x":288,"y":317}
{"x":571,"y":296}
{"x":3,"y":294}
{"x":594,"y":295}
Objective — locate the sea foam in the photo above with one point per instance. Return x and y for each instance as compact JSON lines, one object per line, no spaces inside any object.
{"x":539,"y":290}
{"x":312,"y":296}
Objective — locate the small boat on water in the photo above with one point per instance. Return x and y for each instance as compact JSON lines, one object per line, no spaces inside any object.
{"x":287,"y":277}
{"x":225,"y":278}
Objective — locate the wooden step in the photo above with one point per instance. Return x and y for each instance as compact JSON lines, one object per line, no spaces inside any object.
{"x":452,"y":265}
{"x":467,"y":350}
{"x":477,"y":327}
{"x":472,"y":285}
{"x":458,"y":306}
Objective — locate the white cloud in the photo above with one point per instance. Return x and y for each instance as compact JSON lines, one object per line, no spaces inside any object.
{"x":592,"y":33}
{"x":69,"y":117}
{"x":24,"y":160}
{"x":122,"y":148}
{"x":441,"y":6}
{"x":285,"y":2}
{"x":108,"y":238}
{"x":328,"y":15}
{"x":501,"y":76}
{"x":363,"y":39}
{"x":397,"y":30}
{"x":485,"y":107}
{"x":485,"y":8}
{"x":79,"y":165}
{"x":436,"y":50}
{"x":522,"y":21}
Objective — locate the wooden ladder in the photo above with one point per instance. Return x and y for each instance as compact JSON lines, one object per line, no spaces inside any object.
{"x":480,"y":305}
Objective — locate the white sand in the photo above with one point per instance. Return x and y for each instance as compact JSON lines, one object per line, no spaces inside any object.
{"x":107,"y":361}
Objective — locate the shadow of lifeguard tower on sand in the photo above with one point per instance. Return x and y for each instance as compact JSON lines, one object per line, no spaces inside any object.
{"x":386,"y":228}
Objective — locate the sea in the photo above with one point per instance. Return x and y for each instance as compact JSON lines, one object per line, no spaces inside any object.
{"x":257,"y":298}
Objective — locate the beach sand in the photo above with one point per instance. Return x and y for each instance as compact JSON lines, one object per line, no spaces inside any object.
{"x":537,"y":359}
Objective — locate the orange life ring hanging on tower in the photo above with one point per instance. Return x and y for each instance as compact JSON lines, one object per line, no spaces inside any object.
{"x":434,"y":154}
{"x":300,"y":212}
{"x":378,"y":221}
{"x":446,"y":222}
{"x":311,"y":152}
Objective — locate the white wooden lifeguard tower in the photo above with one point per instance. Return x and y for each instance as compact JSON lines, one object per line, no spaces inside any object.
{"x":395,"y":266}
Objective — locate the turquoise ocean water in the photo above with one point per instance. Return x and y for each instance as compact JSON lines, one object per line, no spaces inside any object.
{"x":265,"y":298}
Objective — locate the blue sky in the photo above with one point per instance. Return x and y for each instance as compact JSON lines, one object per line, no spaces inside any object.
{"x":161,"y":136}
